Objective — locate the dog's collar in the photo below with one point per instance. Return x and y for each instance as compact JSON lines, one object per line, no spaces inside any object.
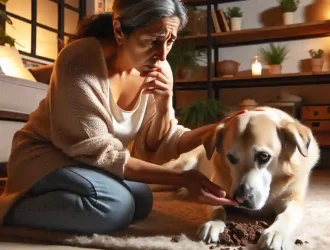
{"x":243,"y":111}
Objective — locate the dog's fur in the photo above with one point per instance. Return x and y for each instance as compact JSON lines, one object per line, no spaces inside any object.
{"x":278,"y":185}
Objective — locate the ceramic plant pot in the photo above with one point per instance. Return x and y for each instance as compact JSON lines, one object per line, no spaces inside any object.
{"x":317,"y":64}
{"x":275,"y":69}
{"x":288,"y":18}
{"x":235,"y":23}
{"x":227,"y":68}
{"x":184,"y":73}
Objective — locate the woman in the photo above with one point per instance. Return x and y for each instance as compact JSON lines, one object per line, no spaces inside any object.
{"x":70,"y":168}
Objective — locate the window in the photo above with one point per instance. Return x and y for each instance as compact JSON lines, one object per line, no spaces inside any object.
{"x":38,"y":25}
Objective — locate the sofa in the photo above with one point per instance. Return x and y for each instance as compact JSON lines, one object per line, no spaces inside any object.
{"x":18,"y":98}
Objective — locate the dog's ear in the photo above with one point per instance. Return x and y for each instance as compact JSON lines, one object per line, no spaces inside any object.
{"x":296,"y":135}
{"x":213,"y":140}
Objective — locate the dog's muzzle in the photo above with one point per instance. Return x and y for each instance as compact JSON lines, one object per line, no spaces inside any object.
{"x":245,"y":196}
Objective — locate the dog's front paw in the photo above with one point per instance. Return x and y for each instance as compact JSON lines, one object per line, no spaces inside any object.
{"x":209,"y":232}
{"x":273,"y":240}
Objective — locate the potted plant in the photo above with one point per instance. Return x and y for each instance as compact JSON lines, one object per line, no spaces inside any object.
{"x":234,"y":14}
{"x":184,"y":60}
{"x":202,"y":112}
{"x":289,"y":7}
{"x":316,"y":59}
{"x":5,"y":38}
{"x":274,"y":57}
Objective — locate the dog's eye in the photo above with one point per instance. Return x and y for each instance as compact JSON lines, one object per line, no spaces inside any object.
{"x":232,"y":159}
{"x":262,"y":157}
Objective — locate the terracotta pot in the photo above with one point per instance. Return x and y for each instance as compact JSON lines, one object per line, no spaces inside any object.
{"x":227,"y":68}
{"x":235,"y":23}
{"x":317,"y":64}
{"x":275,"y":69}
{"x":288,"y":18}
{"x":184,"y":73}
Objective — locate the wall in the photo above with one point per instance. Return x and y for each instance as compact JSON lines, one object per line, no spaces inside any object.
{"x":261,"y":13}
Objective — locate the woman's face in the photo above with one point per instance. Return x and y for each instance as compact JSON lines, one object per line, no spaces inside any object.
{"x":144,"y":48}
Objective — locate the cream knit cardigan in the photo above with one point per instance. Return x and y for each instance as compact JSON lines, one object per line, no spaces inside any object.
{"x":73,"y":124}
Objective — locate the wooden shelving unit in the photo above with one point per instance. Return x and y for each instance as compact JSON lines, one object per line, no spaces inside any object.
{"x":292,"y":79}
{"x":213,"y":41}
{"x":261,"y":35}
{"x":204,"y":2}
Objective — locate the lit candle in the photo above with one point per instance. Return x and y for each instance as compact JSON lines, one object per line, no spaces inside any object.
{"x":256,"y":67}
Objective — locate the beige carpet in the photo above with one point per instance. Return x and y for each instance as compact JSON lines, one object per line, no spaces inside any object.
{"x":171,"y":218}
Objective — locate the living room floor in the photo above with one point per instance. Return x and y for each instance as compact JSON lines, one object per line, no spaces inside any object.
{"x":165,"y":221}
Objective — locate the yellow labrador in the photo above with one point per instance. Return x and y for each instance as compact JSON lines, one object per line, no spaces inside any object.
{"x":262,"y":159}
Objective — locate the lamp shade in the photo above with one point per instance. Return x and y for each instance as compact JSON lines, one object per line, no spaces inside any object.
{"x":12,"y":65}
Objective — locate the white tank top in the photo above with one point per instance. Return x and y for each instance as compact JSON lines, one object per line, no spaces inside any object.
{"x":126,"y":124}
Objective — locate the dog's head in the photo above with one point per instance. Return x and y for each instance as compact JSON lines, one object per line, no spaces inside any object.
{"x":256,"y":147}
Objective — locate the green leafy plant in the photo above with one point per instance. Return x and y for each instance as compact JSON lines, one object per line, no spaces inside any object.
{"x":289,"y":5}
{"x":274,"y":55}
{"x":185,"y":56}
{"x":5,"y":38}
{"x":202,"y":112}
{"x":233,"y":12}
{"x":316,"y":53}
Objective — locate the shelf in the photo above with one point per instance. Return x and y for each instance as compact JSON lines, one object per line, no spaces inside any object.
{"x":13,"y":116}
{"x":276,"y":33}
{"x":292,"y":79}
{"x":262,"y":35}
{"x":190,"y":84}
{"x":204,"y":2}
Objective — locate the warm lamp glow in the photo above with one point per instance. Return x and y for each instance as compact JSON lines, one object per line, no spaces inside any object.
{"x":12,"y":65}
{"x":328,"y":15}
{"x":256,"y":67}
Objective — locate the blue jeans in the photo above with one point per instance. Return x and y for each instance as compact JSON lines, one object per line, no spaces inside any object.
{"x":81,"y":199}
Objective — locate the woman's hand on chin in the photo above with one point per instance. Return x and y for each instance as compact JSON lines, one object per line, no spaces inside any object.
{"x":160,"y":84}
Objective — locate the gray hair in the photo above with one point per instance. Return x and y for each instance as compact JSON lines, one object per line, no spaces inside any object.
{"x":137,"y":14}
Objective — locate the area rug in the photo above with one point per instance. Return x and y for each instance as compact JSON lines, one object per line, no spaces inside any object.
{"x":173,"y":224}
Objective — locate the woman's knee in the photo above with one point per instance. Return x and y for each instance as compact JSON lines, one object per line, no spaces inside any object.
{"x":115,"y":212}
{"x":64,"y":211}
{"x":143,"y":197}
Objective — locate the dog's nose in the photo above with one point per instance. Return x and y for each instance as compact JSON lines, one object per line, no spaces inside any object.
{"x":244,"y":196}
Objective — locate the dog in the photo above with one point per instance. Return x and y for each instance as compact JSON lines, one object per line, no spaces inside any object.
{"x":262,"y":158}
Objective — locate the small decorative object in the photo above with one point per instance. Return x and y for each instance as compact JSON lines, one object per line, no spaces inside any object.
{"x":274,"y":57}
{"x":227,"y":68}
{"x":248,"y":104}
{"x":256,"y":67}
{"x":234,"y":14}
{"x":289,"y":7}
{"x":316,"y":59}
{"x":202,"y":112}
{"x":288,"y":103}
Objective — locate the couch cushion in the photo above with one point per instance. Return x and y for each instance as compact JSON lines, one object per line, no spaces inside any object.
{"x":19,"y":95}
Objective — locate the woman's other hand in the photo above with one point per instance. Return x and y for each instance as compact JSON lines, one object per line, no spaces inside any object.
{"x":202,"y":190}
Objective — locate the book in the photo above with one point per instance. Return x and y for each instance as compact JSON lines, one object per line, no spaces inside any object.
{"x":215,"y":21}
{"x":223,"y":20}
